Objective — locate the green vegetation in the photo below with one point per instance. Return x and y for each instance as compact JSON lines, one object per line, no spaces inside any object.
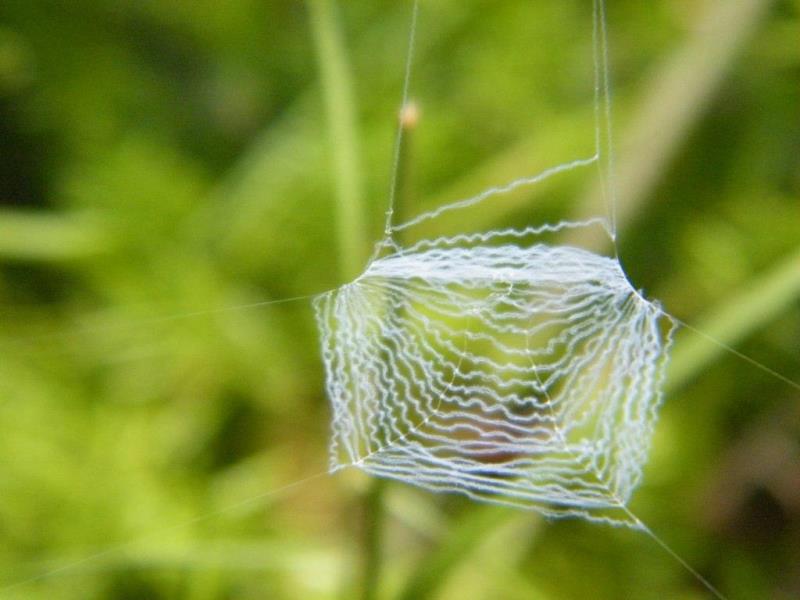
{"x":162,"y":163}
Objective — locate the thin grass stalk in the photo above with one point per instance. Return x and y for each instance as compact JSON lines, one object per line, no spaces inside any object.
{"x":374,"y":504}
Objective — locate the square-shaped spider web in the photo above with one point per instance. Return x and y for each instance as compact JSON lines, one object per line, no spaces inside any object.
{"x":516,"y":374}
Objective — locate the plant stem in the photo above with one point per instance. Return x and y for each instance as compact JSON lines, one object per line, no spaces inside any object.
{"x":373,"y":538}
{"x":373,"y":505}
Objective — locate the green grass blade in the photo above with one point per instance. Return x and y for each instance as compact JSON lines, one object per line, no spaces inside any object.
{"x":337,"y":89}
{"x":762,"y":301}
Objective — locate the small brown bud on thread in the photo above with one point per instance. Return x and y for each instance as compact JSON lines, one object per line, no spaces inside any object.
{"x":409,"y":115}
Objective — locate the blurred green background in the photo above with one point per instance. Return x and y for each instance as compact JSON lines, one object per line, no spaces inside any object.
{"x":164,"y":162}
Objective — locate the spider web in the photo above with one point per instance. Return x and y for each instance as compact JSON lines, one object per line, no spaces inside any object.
{"x":500,"y":365}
